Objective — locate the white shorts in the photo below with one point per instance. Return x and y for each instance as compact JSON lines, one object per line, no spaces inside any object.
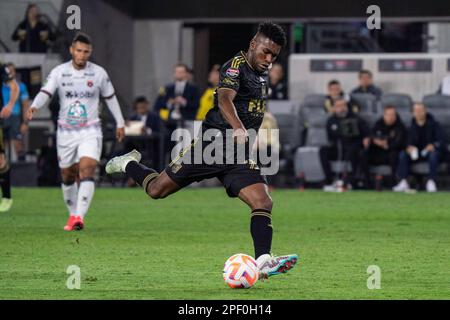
{"x":77,"y":143}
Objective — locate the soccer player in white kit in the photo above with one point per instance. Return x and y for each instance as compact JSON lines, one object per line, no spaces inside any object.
{"x":80,"y":84}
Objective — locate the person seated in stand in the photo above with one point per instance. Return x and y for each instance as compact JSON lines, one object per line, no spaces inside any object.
{"x":348,"y":135}
{"x":366,"y":85}
{"x":388,"y":139}
{"x":426,"y":142}
{"x":335,"y":93}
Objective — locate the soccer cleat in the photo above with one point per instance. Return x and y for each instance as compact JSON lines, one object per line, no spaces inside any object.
{"x":69,"y":223}
{"x":118,"y":164}
{"x":78,"y":223}
{"x":271,"y":266}
{"x":6,"y":204}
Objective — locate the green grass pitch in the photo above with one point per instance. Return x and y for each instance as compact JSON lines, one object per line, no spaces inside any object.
{"x":138,"y":248}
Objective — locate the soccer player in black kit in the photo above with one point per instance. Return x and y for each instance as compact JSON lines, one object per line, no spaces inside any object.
{"x":239,"y":105}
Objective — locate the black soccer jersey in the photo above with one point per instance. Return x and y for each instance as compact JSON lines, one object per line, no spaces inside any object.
{"x":250,"y":101}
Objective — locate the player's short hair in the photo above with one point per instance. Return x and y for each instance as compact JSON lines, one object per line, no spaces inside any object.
{"x":82,"y":37}
{"x":365,"y":71}
{"x":333,"y":82}
{"x":273,"y":31}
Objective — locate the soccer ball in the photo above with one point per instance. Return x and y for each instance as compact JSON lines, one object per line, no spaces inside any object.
{"x":240,"y":271}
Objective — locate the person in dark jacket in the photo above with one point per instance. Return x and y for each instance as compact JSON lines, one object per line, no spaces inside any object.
{"x":277,"y":85}
{"x":179,"y":100}
{"x":366,"y":85}
{"x":388,"y":139}
{"x":426,"y":142}
{"x":33,"y":34}
{"x":348,"y":135}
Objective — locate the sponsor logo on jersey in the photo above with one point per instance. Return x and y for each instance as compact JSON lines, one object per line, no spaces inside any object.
{"x":66,"y":74}
{"x":90,"y":83}
{"x":232,"y":72}
{"x":89,"y":74}
{"x":79,"y":95}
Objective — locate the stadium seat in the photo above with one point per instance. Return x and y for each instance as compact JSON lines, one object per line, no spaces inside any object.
{"x":439,"y":106}
{"x":403,"y":104}
{"x":307,"y":159}
{"x":368,"y":106}
{"x":422,"y":168}
{"x":287,"y":114}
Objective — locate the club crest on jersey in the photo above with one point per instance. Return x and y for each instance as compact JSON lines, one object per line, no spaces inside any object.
{"x":232,"y":72}
{"x":90,"y":83}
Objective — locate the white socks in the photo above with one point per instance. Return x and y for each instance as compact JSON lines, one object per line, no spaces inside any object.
{"x":70,"y":194}
{"x":78,"y":199}
{"x":85,"y":194}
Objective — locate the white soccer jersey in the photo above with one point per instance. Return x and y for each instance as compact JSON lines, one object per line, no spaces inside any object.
{"x":79,"y":93}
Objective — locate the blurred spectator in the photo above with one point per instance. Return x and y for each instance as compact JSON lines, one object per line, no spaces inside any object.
{"x":425,"y":142}
{"x":207,"y":99}
{"x":33,"y":35}
{"x":142,"y":132}
{"x":178,"y":100}
{"x":388,"y":139}
{"x":335,"y":93}
{"x":366,"y":84}
{"x":348,"y":135}
{"x":16,"y":126}
{"x":149,"y":119}
{"x":277,"y":86}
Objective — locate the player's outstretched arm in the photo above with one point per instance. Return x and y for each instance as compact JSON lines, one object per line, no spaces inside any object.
{"x":228,"y":111}
{"x":113,"y":106}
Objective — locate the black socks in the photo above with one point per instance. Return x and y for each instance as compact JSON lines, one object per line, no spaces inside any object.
{"x":140,"y":173}
{"x":261,"y":230}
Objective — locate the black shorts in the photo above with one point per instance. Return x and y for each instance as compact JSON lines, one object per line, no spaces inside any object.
{"x":234,"y":177}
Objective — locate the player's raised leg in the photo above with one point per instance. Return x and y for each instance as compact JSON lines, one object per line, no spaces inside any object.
{"x":256,"y":196}
{"x":69,"y":188}
{"x":156,"y":185}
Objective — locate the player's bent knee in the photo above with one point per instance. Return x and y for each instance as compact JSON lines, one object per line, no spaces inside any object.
{"x":262,"y":203}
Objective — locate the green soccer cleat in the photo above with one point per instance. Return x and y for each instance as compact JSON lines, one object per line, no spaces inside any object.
{"x":6,"y":204}
{"x":270,"y":266}
{"x":118,"y":164}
